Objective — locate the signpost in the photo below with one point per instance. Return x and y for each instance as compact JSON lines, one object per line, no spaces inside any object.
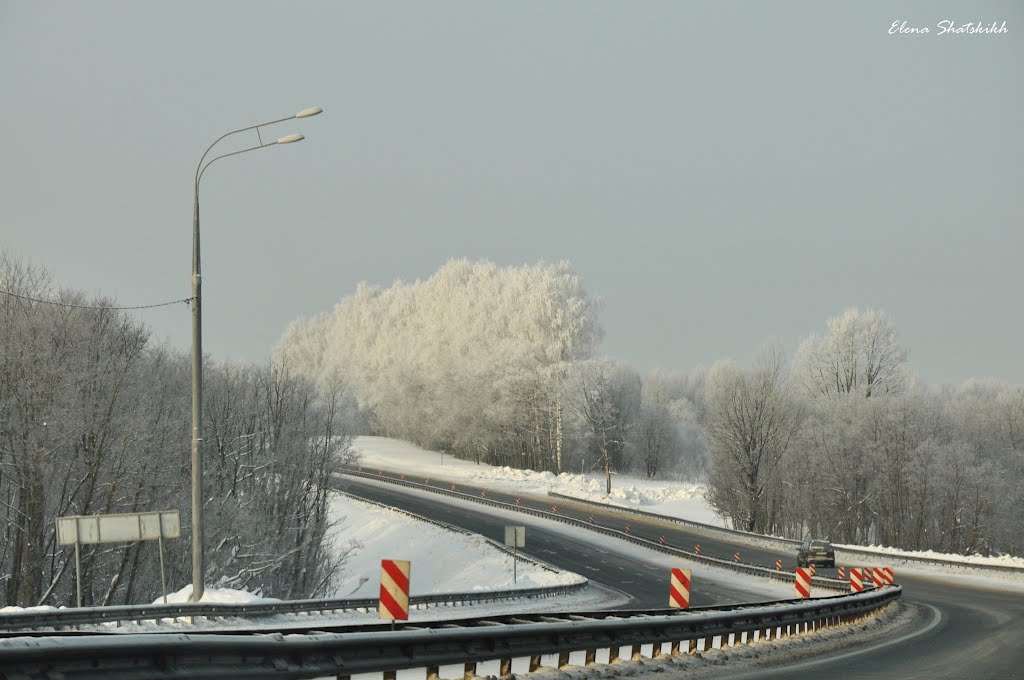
{"x":515,"y":537}
{"x":123,"y":528}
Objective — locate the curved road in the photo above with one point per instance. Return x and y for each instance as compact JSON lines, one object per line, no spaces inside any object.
{"x":974,"y":631}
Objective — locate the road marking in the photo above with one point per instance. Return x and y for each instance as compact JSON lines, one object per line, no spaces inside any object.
{"x":790,"y":670}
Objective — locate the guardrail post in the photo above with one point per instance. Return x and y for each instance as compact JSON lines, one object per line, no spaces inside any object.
{"x":674,"y":651}
{"x":591,"y":657}
{"x":709,"y":642}
{"x":469,"y":670}
{"x":613,"y":653}
{"x":390,"y":675}
{"x":432,"y":671}
{"x":692,"y":647}
{"x":563,"y":660}
{"x":504,"y":671}
{"x":534,"y":663}
{"x":636,"y":655}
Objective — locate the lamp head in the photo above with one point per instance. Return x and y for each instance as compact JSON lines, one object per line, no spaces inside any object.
{"x":306,"y":113}
{"x":291,"y":138}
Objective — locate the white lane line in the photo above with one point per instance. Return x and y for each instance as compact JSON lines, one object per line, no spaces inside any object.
{"x":832,"y":658}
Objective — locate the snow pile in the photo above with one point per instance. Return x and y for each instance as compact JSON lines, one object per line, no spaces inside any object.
{"x":215,"y":595}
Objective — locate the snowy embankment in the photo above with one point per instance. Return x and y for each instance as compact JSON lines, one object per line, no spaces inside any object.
{"x":675,"y":499}
{"x":435,"y":552}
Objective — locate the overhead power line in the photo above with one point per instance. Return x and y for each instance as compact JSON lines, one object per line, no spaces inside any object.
{"x":68,"y":304}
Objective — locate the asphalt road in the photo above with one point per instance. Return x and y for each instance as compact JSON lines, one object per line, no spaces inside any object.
{"x":646,"y":582}
{"x":965,"y":631}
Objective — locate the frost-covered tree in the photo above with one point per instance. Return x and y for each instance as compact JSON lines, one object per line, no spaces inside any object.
{"x":472,"y":360}
{"x":861,"y":354}
{"x":752,"y":419}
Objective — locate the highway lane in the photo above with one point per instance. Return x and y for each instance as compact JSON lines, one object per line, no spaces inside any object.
{"x":646,"y":582}
{"x":978,"y":632}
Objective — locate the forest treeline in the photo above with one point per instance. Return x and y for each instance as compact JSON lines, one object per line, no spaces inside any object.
{"x":95,"y":418}
{"x":498,"y":365}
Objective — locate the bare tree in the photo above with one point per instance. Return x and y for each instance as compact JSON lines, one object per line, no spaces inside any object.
{"x":752,"y":419}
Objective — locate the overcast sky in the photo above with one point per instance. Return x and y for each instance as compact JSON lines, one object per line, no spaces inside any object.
{"x":718,"y":173}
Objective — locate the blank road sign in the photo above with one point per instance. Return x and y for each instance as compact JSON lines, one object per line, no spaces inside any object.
{"x":138,"y":526}
{"x":515,"y":536}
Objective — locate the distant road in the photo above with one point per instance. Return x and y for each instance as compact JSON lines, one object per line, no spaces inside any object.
{"x":646,"y":583}
{"x":979,"y":633}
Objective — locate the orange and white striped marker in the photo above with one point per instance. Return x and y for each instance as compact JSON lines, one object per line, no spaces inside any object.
{"x":661,"y":539}
{"x":812,"y":569}
{"x":627,"y":528}
{"x":736,"y":557}
{"x":803,"y":582}
{"x":679,"y":589}
{"x":778,"y":565}
{"x":856,"y":584}
{"x":696,"y":548}
{"x":889,"y":576}
{"x":394,"y":590}
{"x":554,"y":508}
{"x":879,"y":579}
{"x":401,"y":475}
{"x":426,"y":482}
{"x":518,"y":502}
{"x":842,"y":573}
{"x":453,"y":487}
{"x":590,"y":519}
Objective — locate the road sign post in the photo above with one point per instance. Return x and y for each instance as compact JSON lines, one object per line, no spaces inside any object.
{"x":121,"y":528}
{"x":515,"y":537}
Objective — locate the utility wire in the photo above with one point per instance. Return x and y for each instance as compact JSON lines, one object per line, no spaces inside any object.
{"x":68,"y":304}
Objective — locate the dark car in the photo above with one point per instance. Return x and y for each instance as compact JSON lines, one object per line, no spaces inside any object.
{"x":817,"y":552}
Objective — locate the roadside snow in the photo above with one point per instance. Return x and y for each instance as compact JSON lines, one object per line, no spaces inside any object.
{"x":674,"y":499}
{"x":433,"y":550}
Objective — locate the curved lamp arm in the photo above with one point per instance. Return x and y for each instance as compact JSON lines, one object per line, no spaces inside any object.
{"x":304,"y":113}
{"x":283,"y":140}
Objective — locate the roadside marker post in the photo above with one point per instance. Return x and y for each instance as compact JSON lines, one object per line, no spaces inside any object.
{"x":696,"y":548}
{"x":394,"y":590}
{"x":803,"y":582}
{"x":679,"y":589}
{"x":736,"y":557}
{"x":812,"y":570}
{"x":878,"y":577}
{"x":842,"y":573}
{"x":778,"y":565}
{"x":856,"y":585}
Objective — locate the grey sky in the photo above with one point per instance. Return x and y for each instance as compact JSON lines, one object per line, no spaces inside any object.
{"x":719,"y":173}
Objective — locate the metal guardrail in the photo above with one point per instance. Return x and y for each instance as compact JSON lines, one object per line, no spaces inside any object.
{"x":862,"y":554}
{"x":66,"y":618}
{"x":742,"y":567}
{"x":341,"y":655}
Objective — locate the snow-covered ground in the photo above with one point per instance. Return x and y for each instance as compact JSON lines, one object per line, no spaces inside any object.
{"x":380,"y":534}
{"x":674,"y":499}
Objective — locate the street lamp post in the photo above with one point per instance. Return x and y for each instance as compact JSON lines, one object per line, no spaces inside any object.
{"x":198,"y":557}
